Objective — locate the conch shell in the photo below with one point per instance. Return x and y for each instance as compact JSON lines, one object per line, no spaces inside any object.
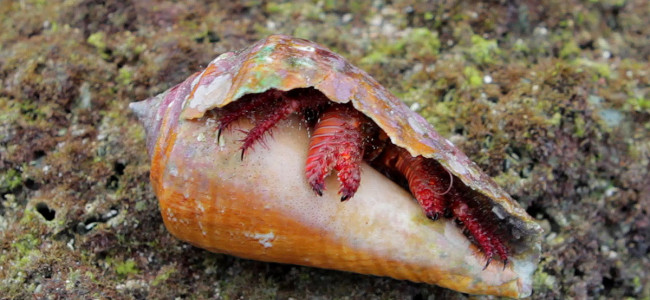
{"x":261,"y":207}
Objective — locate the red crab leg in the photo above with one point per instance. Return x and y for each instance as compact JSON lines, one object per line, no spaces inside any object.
{"x":274,"y":112}
{"x":434,"y":192}
{"x":336,"y":143}
{"x":243,"y":107}
{"x":427,"y":184}
{"x":487,"y":240}
{"x":273,"y":106}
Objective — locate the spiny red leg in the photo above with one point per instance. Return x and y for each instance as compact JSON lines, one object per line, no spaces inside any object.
{"x":244,"y":107}
{"x":336,"y":143}
{"x":487,"y":240}
{"x":434,"y":189}
{"x":273,"y":113}
{"x":426,"y":183}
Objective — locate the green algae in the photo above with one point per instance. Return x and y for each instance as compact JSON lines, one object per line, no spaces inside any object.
{"x":570,"y":49}
{"x":473,"y":76}
{"x":126,"y":268}
{"x":10,"y":180}
{"x":639,"y":104}
{"x":165,"y":273}
{"x":483,"y":51}
{"x":421,"y":42}
{"x":97,"y":40}
{"x":125,"y":76}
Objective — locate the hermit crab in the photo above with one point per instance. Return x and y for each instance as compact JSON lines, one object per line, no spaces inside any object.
{"x":285,"y":152}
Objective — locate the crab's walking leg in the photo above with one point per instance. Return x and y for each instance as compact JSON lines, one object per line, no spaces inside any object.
{"x":244,"y":107}
{"x":274,"y":112}
{"x":425,"y":180}
{"x":436,"y":192}
{"x":336,"y":143}
{"x":486,"y":239}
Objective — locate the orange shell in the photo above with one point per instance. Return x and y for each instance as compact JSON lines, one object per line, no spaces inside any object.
{"x":261,"y":208}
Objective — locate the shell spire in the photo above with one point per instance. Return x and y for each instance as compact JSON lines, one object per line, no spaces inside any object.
{"x":152,"y":111}
{"x":146,"y":111}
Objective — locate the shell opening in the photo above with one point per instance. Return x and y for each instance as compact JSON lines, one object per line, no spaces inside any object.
{"x":490,"y":212}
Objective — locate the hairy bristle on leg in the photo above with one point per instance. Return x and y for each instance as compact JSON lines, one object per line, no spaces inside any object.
{"x":483,"y":237}
{"x":233,"y":112}
{"x":273,"y":114}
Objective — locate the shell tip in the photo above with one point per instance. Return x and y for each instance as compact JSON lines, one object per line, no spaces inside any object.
{"x":140,"y":109}
{"x":146,"y":111}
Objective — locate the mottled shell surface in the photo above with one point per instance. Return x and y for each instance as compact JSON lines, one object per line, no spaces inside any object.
{"x":262,"y":208}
